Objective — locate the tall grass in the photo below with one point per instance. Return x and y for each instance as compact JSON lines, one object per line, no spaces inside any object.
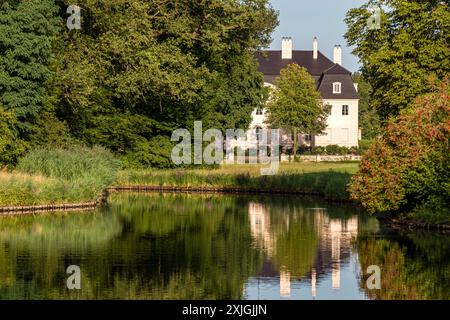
{"x":78,"y":174}
{"x":46,"y":176}
{"x":326,"y":179}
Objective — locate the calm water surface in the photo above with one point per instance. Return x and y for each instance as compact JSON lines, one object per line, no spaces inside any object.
{"x":167,"y":246}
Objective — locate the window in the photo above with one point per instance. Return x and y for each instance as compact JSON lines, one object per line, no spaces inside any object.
{"x":308,"y":138}
{"x":259,"y":134}
{"x":345,"y":110}
{"x":259,"y":111}
{"x":336,"y":87}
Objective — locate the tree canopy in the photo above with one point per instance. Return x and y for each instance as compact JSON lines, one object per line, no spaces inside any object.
{"x":407,"y":170}
{"x":397,"y":59}
{"x":27,"y":31}
{"x":369,"y":119}
{"x":295,"y":105}
{"x":134,"y":72}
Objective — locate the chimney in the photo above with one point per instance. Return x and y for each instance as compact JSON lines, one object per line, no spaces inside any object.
{"x":286,"y":48}
{"x":315,"y":48}
{"x":337,"y":55}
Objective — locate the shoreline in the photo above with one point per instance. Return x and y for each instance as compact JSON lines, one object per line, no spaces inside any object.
{"x":91,"y":205}
{"x":59,"y":207}
{"x":404,"y":224}
{"x":393,"y":223}
{"x":220,"y":190}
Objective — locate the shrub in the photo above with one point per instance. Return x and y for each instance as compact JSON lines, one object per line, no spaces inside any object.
{"x":7,"y":121}
{"x":408,"y":168}
{"x":49,"y":131}
{"x":336,"y":150}
{"x":319,"y":150}
{"x":353,"y":150}
{"x":155,"y":153}
{"x":10,"y":147}
{"x":364,"y":145}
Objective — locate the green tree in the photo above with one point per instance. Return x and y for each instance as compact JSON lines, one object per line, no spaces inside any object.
{"x":138,"y":69}
{"x":369,"y":120}
{"x":7,"y":122}
{"x":295,"y":104}
{"x":11,"y":146}
{"x":411,"y":45}
{"x":27,"y":31}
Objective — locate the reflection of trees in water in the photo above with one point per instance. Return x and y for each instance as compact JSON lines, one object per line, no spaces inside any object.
{"x":413,"y":266}
{"x":34,"y":249}
{"x":194,"y":247}
{"x":199,"y":238}
{"x":142,"y":247}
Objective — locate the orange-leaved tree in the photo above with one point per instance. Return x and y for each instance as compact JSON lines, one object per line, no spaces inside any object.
{"x":407,"y":169}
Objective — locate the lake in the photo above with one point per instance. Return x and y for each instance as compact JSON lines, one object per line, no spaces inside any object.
{"x":179,"y":246}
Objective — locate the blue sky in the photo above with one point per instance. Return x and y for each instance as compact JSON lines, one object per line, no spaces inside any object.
{"x":304,"y":19}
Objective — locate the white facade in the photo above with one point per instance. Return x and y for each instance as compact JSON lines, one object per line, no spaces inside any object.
{"x":342,"y":124}
{"x":343,"y":128}
{"x":259,"y":117}
{"x":334,"y":83}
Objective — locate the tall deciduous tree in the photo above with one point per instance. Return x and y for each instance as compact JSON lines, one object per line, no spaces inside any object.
{"x":412,"y":44}
{"x":7,"y":122}
{"x":369,"y":119}
{"x":139,"y":69}
{"x":408,"y":168}
{"x":27,"y":31}
{"x":295,"y":105}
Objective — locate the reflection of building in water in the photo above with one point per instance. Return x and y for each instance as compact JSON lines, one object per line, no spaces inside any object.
{"x":285,"y":283}
{"x":313,"y":283}
{"x":335,"y":247}
{"x":260,"y":230}
{"x":336,"y":228}
{"x":260,"y":227}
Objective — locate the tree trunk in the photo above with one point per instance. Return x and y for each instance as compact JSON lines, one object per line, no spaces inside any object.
{"x":295,"y":143}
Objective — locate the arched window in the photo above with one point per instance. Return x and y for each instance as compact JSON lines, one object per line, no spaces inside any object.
{"x":336,"y":87}
{"x":259,"y":111}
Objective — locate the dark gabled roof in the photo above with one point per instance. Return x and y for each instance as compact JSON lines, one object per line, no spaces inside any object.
{"x":270,"y":62}
{"x":348,"y":90}
{"x":322,"y":69}
{"x":337,"y":69}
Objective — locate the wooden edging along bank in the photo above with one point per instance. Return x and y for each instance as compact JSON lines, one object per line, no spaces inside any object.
{"x":222,"y":190}
{"x":22,"y":210}
{"x":187,"y":189}
{"x":403,"y":224}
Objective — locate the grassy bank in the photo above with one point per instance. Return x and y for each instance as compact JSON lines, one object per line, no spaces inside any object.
{"x":72,"y":176}
{"x":56,"y":176}
{"x":326,"y":179}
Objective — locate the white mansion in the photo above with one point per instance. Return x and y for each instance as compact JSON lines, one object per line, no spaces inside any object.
{"x":334,"y":84}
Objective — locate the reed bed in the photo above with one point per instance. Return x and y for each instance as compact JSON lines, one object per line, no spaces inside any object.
{"x":326,"y":179}
{"x":53,"y":176}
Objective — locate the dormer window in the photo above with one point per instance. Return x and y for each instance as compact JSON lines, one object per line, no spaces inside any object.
{"x":336,"y":87}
